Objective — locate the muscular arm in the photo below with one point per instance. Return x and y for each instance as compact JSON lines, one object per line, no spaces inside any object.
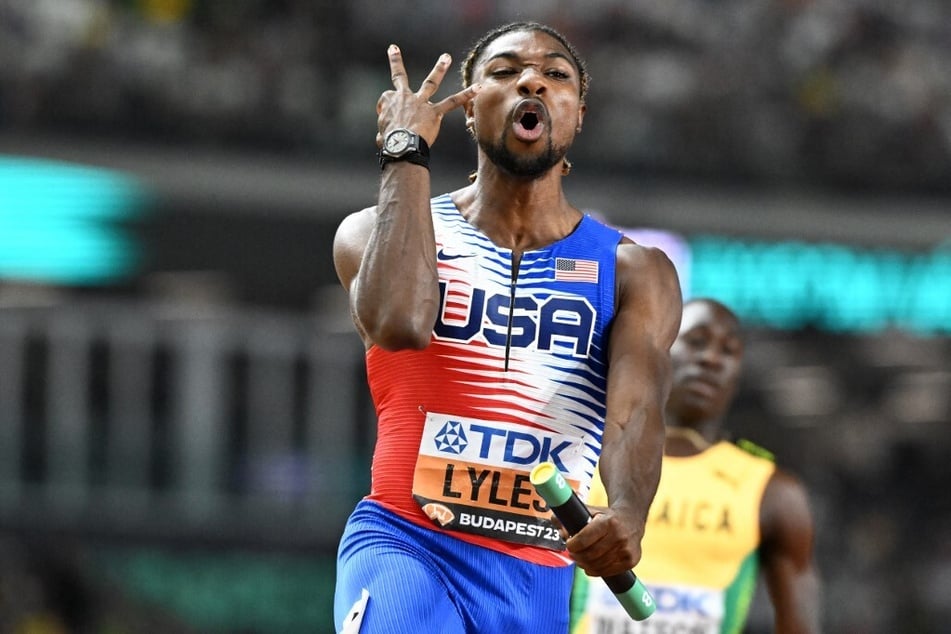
{"x":645,"y":325}
{"x":787,"y":556}
{"x":385,"y":256}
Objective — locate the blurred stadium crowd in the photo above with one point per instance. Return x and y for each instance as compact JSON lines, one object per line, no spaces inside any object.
{"x":847,"y":94}
{"x":839,"y":92}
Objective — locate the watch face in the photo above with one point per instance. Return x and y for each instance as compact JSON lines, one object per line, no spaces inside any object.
{"x":397,"y":141}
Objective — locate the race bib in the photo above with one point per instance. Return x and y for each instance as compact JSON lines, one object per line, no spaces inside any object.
{"x":473,"y":476}
{"x":678,"y":609}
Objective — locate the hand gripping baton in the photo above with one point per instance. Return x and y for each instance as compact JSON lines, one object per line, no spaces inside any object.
{"x":574,"y":515}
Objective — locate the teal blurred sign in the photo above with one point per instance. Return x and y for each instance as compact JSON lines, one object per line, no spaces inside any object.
{"x":66,"y":224}
{"x":791,"y":285}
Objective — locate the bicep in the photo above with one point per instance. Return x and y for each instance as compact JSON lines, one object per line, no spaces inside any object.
{"x":649,"y":296}
{"x":646,"y":323}
{"x":350,"y":241}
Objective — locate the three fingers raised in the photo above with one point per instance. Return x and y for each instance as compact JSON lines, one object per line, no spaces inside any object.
{"x":432,"y":82}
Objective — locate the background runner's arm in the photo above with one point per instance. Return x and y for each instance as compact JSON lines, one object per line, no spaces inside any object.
{"x":787,"y":556}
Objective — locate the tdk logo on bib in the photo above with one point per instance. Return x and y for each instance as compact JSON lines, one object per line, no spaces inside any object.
{"x":695,"y":601}
{"x":502,"y":443}
{"x":451,"y":438}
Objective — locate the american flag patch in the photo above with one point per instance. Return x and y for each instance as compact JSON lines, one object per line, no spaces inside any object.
{"x":569,"y":270}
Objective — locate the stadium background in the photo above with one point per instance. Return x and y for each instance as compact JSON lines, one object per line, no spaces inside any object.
{"x":183,"y":418}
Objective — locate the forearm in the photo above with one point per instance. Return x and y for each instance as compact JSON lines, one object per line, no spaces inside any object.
{"x":795,"y":598}
{"x":396,"y":293}
{"x":631,"y":463}
{"x":633,"y":444}
{"x":801,"y":616}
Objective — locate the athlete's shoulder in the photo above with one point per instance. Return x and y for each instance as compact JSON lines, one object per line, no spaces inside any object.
{"x":595,"y":221}
{"x":754,"y":449}
{"x":786,"y":514}
{"x":648,"y":282}
{"x":594,"y":231}
{"x":649,"y":264}
{"x":742,"y":456}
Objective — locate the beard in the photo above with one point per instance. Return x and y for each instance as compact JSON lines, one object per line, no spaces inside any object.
{"x":527,"y":167}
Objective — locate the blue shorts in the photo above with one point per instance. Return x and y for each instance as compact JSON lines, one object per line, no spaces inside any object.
{"x":418,"y":580}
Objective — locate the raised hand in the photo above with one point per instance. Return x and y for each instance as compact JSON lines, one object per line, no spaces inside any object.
{"x":403,"y":108}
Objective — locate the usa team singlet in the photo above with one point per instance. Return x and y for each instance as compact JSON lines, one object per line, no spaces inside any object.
{"x":515,"y":374}
{"x":699,"y":549}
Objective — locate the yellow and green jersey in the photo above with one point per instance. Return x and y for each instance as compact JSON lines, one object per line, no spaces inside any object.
{"x":699,"y":549}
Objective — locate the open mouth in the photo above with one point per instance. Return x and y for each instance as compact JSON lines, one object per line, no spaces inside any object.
{"x":529,"y":120}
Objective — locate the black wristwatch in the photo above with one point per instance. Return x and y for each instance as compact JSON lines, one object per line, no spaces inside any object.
{"x":404,"y":145}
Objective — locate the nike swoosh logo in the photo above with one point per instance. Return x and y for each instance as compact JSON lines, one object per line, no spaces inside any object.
{"x":733,"y":482}
{"x":441,"y":255}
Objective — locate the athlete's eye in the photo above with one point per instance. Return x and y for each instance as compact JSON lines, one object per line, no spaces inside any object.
{"x":695,"y":339}
{"x":733,"y":347}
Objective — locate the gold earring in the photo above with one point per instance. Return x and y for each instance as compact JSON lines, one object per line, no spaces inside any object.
{"x":565,"y":166}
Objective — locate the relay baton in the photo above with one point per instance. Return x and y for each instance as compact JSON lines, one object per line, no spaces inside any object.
{"x":574,"y":515}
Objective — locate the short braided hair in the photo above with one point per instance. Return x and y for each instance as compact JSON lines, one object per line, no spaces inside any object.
{"x":479,"y":47}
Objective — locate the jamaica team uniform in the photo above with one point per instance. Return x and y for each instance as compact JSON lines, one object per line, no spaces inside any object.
{"x":515,"y":374}
{"x":699,"y":549}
